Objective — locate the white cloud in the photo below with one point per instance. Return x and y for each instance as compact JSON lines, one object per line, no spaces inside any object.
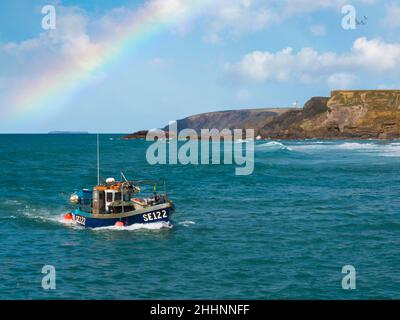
{"x":229,"y":19}
{"x":70,"y":42}
{"x":233,"y":18}
{"x":342,"y":80}
{"x":308,"y":65}
{"x":293,"y":7}
{"x":300,"y":6}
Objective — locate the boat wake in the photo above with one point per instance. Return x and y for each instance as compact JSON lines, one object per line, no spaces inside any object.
{"x":23,"y":210}
{"x":138,"y":226}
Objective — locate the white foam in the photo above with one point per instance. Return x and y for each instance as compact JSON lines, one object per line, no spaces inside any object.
{"x":392,"y":150}
{"x":138,"y":226}
{"x":8,"y":217}
{"x":187,"y":223}
{"x":357,"y":146}
{"x":44,"y":215}
{"x":274,"y":145}
{"x":11,"y":202}
{"x":330,"y":145}
{"x":376,"y":148}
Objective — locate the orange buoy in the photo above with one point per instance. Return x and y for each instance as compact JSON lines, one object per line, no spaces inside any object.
{"x":68,"y":216}
{"x":119,"y":224}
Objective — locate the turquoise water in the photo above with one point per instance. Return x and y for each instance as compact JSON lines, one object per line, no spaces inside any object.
{"x":284,"y":232}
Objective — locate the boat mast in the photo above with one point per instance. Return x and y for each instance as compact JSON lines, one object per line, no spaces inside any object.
{"x":98,"y":161}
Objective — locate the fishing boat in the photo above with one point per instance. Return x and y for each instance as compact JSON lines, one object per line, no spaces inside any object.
{"x":119,"y":203}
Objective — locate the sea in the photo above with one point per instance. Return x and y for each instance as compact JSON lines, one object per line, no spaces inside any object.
{"x":311,"y":211}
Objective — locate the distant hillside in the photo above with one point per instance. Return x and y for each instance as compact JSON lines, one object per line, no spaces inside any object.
{"x":346,"y":114}
{"x":230,"y":119}
{"x":68,"y":132}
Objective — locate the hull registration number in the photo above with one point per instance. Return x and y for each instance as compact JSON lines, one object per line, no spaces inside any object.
{"x":156,"y":215}
{"x":81,"y":220}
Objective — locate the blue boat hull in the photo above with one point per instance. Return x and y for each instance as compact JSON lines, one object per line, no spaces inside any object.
{"x":160,"y":213}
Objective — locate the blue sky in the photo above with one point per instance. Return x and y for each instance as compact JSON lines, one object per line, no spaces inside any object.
{"x":235,"y":54}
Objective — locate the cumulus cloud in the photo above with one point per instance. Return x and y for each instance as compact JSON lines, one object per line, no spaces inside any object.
{"x":292,"y":7}
{"x":232,"y":18}
{"x":69,"y":41}
{"x":342,"y":80}
{"x":308,"y":65}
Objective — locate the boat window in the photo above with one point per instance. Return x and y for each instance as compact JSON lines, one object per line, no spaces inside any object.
{"x":127,"y":197}
{"x":109,"y":197}
{"x":117,"y":196}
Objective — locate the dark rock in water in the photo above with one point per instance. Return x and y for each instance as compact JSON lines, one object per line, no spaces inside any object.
{"x":142,"y":135}
{"x":136,"y":135}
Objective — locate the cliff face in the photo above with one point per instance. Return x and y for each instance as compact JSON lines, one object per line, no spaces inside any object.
{"x":356,"y":114}
{"x":346,"y":114}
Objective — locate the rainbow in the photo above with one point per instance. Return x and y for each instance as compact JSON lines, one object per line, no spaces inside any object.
{"x":37,"y":96}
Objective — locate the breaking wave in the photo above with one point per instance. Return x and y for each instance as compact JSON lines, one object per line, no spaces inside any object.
{"x":274,"y":145}
{"x":376,"y":148}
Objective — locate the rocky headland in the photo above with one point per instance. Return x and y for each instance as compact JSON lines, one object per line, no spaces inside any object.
{"x":346,"y":114}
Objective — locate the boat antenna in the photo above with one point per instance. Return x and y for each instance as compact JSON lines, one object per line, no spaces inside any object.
{"x":123,"y":177}
{"x":98,"y":160}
